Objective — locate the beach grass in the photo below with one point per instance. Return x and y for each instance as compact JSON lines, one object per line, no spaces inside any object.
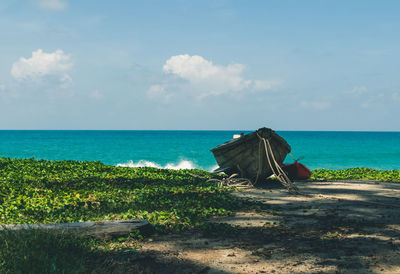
{"x":38,"y":251}
{"x":42,"y":252}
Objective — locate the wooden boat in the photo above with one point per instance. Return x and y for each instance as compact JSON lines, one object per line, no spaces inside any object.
{"x":247,"y":154}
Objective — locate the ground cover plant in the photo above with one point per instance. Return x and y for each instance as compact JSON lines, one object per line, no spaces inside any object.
{"x":33,"y":191}
{"x":356,"y":174}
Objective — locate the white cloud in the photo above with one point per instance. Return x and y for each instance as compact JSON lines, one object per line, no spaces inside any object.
{"x":56,"y":5}
{"x":65,"y":81}
{"x":157,"y":92}
{"x":367,"y":98}
{"x":42,"y":65}
{"x":357,"y":90}
{"x":373,"y":101}
{"x":317,"y":104}
{"x":2,"y":87}
{"x":97,"y":95}
{"x":205,"y":78}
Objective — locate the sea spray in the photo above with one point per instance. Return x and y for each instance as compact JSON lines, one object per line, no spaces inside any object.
{"x":183,"y":164}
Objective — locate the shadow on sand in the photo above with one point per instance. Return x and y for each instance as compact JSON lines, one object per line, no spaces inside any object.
{"x":349,"y":227}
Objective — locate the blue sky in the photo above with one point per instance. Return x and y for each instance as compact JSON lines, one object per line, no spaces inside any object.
{"x":288,"y":65}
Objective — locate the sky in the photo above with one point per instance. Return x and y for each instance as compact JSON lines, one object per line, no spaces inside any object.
{"x":200,"y":65}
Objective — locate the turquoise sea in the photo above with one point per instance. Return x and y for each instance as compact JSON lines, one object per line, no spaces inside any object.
{"x":191,"y":149}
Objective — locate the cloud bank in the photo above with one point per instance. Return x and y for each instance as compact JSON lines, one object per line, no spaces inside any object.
{"x":55,"y":5}
{"x":203,"y":78}
{"x":44,"y":66}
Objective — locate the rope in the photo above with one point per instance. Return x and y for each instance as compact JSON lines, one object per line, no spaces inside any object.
{"x":231,"y":181}
{"x":275,"y":167}
{"x":292,"y":157}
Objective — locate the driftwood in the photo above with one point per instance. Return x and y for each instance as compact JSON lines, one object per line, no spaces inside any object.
{"x":101,"y":229}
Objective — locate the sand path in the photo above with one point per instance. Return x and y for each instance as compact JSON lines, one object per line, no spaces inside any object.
{"x":333,"y":227}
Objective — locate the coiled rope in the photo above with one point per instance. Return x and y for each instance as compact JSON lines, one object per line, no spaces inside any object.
{"x":275,"y":167}
{"x":232,"y":181}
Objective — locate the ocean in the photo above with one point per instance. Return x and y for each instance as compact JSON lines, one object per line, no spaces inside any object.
{"x":191,"y":149}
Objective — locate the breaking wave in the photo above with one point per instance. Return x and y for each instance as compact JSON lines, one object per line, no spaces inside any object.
{"x":213,"y":168}
{"x":184,"y":164}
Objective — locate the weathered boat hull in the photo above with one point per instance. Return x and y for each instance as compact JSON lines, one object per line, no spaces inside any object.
{"x":246,"y":155}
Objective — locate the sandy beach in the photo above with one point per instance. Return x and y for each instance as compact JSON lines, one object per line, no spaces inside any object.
{"x":332,"y":227}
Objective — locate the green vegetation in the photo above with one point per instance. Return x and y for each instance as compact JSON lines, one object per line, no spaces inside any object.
{"x":36,"y":251}
{"x":69,"y":191}
{"x":34,"y":191}
{"x":356,"y":174}
{"x":40,"y":252}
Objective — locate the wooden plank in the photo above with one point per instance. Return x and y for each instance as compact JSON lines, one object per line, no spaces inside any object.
{"x":101,"y":229}
{"x":245,"y":152}
{"x":234,"y":156}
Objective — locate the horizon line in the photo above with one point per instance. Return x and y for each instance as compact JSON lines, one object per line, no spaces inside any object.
{"x":246,"y":130}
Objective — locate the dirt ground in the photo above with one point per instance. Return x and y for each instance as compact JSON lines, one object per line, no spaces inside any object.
{"x":332,"y":227}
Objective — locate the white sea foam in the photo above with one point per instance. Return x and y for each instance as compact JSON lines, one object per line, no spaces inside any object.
{"x":214,"y":168}
{"x":184,"y":164}
{"x":181,"y":165}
